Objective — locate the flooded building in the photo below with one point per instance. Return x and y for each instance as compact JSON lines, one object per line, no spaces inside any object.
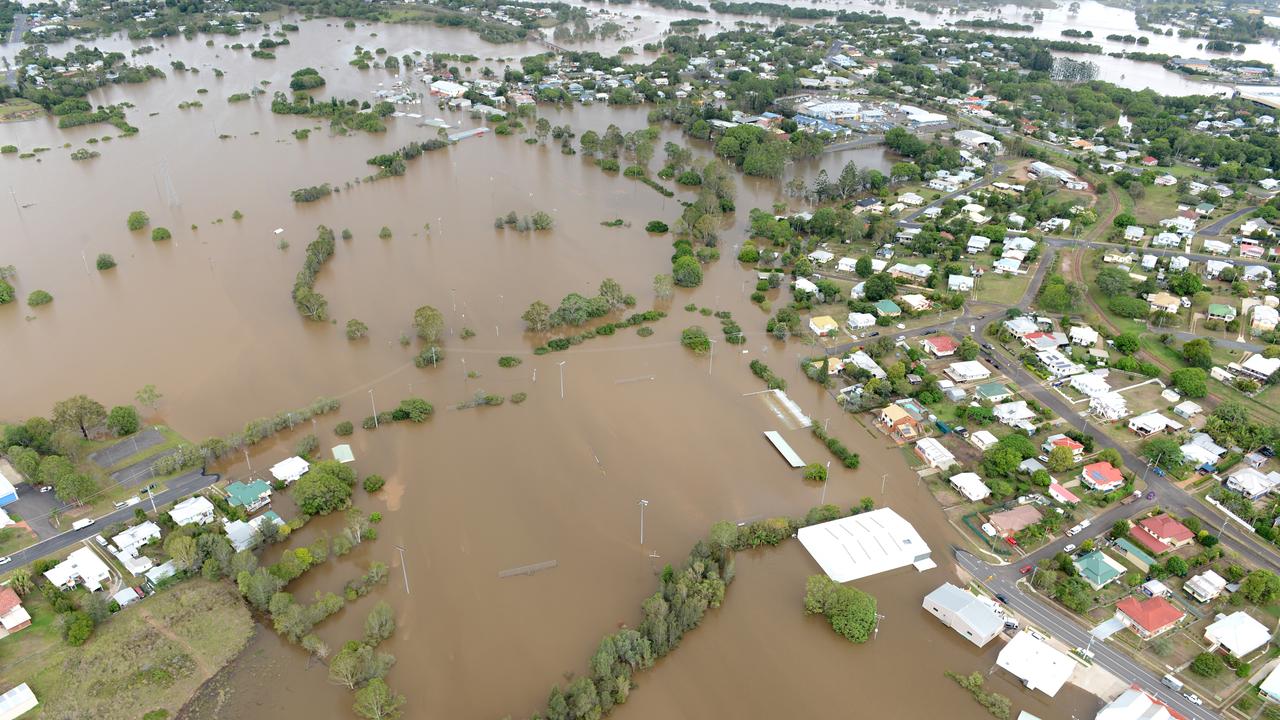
{"x":977,"y":619}
{"x":866,"y":544}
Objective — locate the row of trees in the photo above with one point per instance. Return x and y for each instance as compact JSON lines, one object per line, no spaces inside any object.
{"x":311,"y":304}
{"x":575,"y":309}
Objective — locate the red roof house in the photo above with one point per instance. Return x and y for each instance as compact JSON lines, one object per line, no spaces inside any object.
{"x":940,"y":345}
{"x":13,"y":617}
{"x":1149,"y":161}
{"x":1102,"y":476}
{"x":1062,"y":495}
{"x":1148,"y":618}
{"x":1162,"y":533}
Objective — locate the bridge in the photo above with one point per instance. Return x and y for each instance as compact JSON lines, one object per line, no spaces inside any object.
{"x":540,"y":38}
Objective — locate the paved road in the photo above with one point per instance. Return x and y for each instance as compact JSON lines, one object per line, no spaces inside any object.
{"x":1217,"y":226}
{"x":21,"y":23}
{"x":862,"y":142}
{"x":108,"y":457}
{"x":180,"y":486}
{"x":1044,"y":615}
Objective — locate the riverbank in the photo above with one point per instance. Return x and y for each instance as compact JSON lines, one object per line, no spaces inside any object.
{"x":153,"y":656}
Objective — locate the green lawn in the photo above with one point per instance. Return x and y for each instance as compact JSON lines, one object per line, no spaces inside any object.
{"x":19,"y":109}
{"x":1004,"y":290}
{"x":1158,"y":202}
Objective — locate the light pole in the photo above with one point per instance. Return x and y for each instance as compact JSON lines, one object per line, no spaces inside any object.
{"x":825,"y":481}
{"x":562,"y":362}
{"x":375,"y":409}
{"x":883,"y":479}
{"x":404,"y":570}
{"x":246,"y":459}
{"x":711,"y":363}
{"x":643,"y":505}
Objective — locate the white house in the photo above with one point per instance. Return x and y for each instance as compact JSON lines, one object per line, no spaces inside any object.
{"x":1252,"y":483}
{"x":1152,"y":422}
{"x":821,"y":257}
{"x":1058,"y":364}
{"x":934,"y":453}
{"x":1216,"y":247}
{"x":1110,"y":406}
{"x":967,"y":371}
{"x":196,"y":510}
{"x":862,"y":360}
{"x":1206,"y":586}
{"x":1037,"y":664}
{"x":916,"y":302}
{"x":1237,"y":633}
{"x":970,"y":485}
{"x":82,"y":567}
{"x":805,"y":285}
{"x":1166,"y":240}
{"x":1260,"y":368}
{"x":959,"y":283}
{"x":1083,"y":335}
{"x":860,"y":321}
{"x":1090,"y":385}
{"x":983,"y":439}
{"x":289,"y":469}
{"x":847,"y":265}
{"x":910,"y":198}
{"x":244,"y":535}
{"x":135,"y":537}
{"x":977,"y":244}
{"x":976,"y":618}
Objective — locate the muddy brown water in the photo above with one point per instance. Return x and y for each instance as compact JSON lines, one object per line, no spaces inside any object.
{"x":207,"y":318}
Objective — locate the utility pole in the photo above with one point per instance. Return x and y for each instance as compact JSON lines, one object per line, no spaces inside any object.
{"x":562,"y":362}
{"x":712,"y":362}
{"x":825,"y":482}
{"x":643,"y":505}
{"x":246,"y":459}
{"x":404,"y":570}
{"x":883,"y":479}
{"x":375,"y":409}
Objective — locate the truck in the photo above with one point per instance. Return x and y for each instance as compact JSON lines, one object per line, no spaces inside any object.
{"x":1131,"y":497}
{"x":82,"y":524}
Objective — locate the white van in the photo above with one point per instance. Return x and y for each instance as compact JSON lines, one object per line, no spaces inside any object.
{"x":82,"y":524}
{"x":1170,"y":681}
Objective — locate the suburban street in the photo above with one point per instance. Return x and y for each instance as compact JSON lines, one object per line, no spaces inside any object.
{"x":1043,"y":615}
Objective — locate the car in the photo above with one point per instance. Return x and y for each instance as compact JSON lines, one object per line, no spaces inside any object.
{"x":962,"y":431}
{"x":994,"y":364}
{"x":1024,"y":569}
{"x":987,"y":346}
{"x":1085,"y":523}
{"x":1069,"y":549}
{"x":1193,"y":698}
{"x":1002,"y":598}
{"x":874,"y":334}
{"x":100,"y":540}
{"x":5,"y":560}
{"x":1011,"y":541}
{"x":1151,"y":494}
{"x":1043,"y":458}
{"x":902,"y":326}
{"x":1036,"y":634}
{"x":45,"y":488}
{"x":1267,"y":451}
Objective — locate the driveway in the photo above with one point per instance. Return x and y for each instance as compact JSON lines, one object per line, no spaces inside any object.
{"x":34,"y":508}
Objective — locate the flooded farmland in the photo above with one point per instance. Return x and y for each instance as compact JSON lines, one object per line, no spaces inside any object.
{"x":207,"y":318}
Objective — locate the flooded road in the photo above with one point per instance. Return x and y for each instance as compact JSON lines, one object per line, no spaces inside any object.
{"x":207,"y":318}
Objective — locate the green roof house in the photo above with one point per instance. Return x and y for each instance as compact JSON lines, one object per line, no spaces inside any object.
{"x":887,"y":308}
{"x":1098,"y":570}
{"x":250,"y":496}
{"x":993,"y":391}
{"x":1219,"y":311}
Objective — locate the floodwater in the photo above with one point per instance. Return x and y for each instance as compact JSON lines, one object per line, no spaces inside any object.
{"x":207,"y":318}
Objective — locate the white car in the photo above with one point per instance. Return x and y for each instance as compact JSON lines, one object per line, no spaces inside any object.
{"x":1193,"y":698}
{"x":1069,"y":549}
{"x":5,"y":560}
{"x":45,"y":488}
{"x":902,"y":326}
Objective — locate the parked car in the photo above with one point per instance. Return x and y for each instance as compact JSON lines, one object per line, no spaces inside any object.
{"x":1011,"y":541}
{"x":1069,"y":549}
{"x":1025,"y":569}
{"x":1267,"y":451}
{"x":962,"y":431}
{"x":1193,"y":698}
{"x":45,"y":488}
{"x":1002,"y":598}
{"x":1043,"y":458}
{"x":5,"y":560}
{"x":874,"y":334}
{"x":1151,"y":494}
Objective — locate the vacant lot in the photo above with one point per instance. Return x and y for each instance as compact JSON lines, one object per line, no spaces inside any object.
{"x":152,"y":655}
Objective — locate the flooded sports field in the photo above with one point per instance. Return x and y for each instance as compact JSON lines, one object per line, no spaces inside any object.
{"x":555,"y":481}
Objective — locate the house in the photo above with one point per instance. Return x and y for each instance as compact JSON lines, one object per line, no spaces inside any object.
{"x":289,"y":469}
{"x":1059,"y":365}
{"x":196,"y":510}
{"x":1110,"y":406}
{"x":1098,"y":569}
{"x":1152,"y":422}
{"x":8,"y":493}
{"x":250,"y":496}
{"x":983,"y":439}
{"x":976,"y":618}
{"x":861,"y":360}
{"x":16,"y":702}
{"x":823,"y":325}
{"x":448,"y":88}
{"x":1269,"y":687}
{"x":82,"y":567}
{"x":1220,"y":311}
{"x":1238,"y":633}
{"x":127,"y":597}
{"x":993,"y":392}
{"x":1090,"y":385}
{"x":959,"y":283}
{"x":1148,"y":618}
{"x":1036,"y":663}
{"x":1134,"y":233}
{"x":898,"y":423}
{"x":1215,"y":247}
{"x":1021,"y":326}
{"x":1166,"y":240}
{"x":13,"y":617}
{"x":1053,"y":442}
{"x":1260,"y":368}
{"x":806,"y":286}
{"x":1031,"y":466}
{"x":916,"y":303}
{"x":821,"y":257}
{"x":1252,"y":483}
{"x":1009,"y":522}
{"x":1083,"y":335}
{"x":934,"y":453}
{"x":129,"y":541}
{"x":1155,"y":588}
{"x":1265,"y":319}
{"x":1135,"y":704}
{"x":244,"y":534}
{"x":1164,"y":302}
{"x":1015,"y":414}
{"x":978,"y":140}
{"x":1206,"y":586}
{"x":940,"y":345}
{"x":1062,"y":495}
{"x":910,"y":198}
{"x":833,"y":365}
{"x":887,"y":308}
{"x":970,"y":485}
{"x":1202,"y":450}
{"x":847,"y":265}
{"x":1102,"y":476}
{"x":1162,"y":533}
{"x":1007,"y":266}
{"x":977,"y":244}
{"x":1256,"y":225}
{"x":967,"y":371}
{"x":1186,"y":409}
{"x":860,"y":321}
{"x":911,"y":273}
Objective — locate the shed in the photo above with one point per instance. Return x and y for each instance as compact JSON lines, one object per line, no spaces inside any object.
{"x":865,"y":544}
{"x":1038,"y":665}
